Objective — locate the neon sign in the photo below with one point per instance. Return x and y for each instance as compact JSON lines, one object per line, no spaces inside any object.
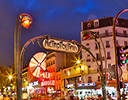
{"x":60,"y":45}
{"x":48,"y":83}
{"x":86,"y":84}
{"x":46,"y":75}
{"x":34,"y":83}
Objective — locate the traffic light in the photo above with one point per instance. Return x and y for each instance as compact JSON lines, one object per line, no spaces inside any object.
{"x":122,"y":56}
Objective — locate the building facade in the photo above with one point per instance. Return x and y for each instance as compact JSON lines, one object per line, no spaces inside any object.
{"x":103,"y":27}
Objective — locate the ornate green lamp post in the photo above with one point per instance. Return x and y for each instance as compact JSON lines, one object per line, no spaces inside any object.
{"x":22,"y":20}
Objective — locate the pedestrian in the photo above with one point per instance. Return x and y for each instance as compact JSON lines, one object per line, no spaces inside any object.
{"x":123,"y":97}
{"x":81,"y":96}
{"x":99,"y":97}
{"x":71,"y":97}
{"x":109,"y":97}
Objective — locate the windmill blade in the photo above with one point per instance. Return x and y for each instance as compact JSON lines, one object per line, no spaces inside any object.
{"x":37,"y":64}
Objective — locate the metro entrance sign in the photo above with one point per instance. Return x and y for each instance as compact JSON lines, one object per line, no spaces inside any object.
{"x":60,"y":45}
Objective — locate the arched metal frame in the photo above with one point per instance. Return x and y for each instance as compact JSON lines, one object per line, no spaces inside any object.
{"x":103,"y":79}
{"x":115,"y":52}
{"x":39,"y":38}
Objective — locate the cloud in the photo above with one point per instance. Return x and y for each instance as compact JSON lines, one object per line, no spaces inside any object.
{"x":32,"y":5}
{"x":84,"y":8}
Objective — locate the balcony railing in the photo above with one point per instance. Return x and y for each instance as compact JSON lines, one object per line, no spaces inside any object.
{"x":92,"y":71}
{"x":110,"y":34}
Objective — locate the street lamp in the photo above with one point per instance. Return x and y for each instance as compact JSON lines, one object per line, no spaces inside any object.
{"x":10,"y":77}
{"x":86,"y":35}
{"x":115,"y":52}
{"x":24,"y":20}
{"x":78,"y":62}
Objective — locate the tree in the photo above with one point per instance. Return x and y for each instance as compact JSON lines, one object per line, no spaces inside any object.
{"x":4,"y":76}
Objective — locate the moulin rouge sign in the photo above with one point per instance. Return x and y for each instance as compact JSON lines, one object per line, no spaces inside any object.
{"x":60,"y":45}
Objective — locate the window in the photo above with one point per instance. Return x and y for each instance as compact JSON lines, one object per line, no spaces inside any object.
{"x":98,"y":78}
{"x":100,"y":67}
{"x":97,"y":56}
{"x":96,"y":23}
{"x":117,"y":42}
{"x":116,"y":31}
{"x":88,"y":58}
{"x":87,"y":44}
{"x":89,"y":25}
{"x":97,"y":32}
{"x":96,"y":47}
{"x":106,"y":31}
{"x":53,"y":61}
{"x":107,"y":44}
{"x":109,"y":65}
{"x":108,"y":55}
{"x":110,"y":78}
{"x":124,"y":32}
{"x":89,"y":79}
{"x":125,"y":42}
{"x":89,"y":66}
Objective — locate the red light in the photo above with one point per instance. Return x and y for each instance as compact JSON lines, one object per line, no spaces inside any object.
{"x":86,"y":36}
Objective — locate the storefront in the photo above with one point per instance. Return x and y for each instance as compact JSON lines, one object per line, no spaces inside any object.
{"x":71,"y":84}
{"x":34,"y":89}
{"x":94,"y":89}
{"x":86,"y":89}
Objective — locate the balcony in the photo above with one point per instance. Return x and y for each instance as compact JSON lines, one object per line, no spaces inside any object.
{"x":108,"y":57}
{"x":107,"y":46}
{"x":88,"y":60}
{"x":110,"y":34}
{"x":92,"y":71}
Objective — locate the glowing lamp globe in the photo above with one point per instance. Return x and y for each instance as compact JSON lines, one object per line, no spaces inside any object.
{"x":26,"y":22}
{"x":85,"y":36}
{"x":10,"y":76}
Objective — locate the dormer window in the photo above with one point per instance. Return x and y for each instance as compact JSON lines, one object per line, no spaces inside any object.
{"x":96,"y":23}
{"x":88,"y":25}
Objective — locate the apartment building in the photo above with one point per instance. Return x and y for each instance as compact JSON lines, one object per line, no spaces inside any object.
{"x":103,"y":27}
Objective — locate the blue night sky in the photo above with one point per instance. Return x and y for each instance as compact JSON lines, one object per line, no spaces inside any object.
{"x":58,"y":18}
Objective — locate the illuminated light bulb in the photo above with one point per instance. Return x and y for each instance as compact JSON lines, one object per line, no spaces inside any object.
{"x":26,"y":22}
{"x":78,"y":61}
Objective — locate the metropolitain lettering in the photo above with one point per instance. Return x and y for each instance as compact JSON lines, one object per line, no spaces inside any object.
{"x":60,"y":45}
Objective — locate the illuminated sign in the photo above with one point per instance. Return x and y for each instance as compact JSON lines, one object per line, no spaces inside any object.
{"x":48,"y":83}
{"x":46,"y":75}
{"x":86,"y":84}
{"x":70,"y":85}
{"x":60,"y":45}
{"x":33,"y":83}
